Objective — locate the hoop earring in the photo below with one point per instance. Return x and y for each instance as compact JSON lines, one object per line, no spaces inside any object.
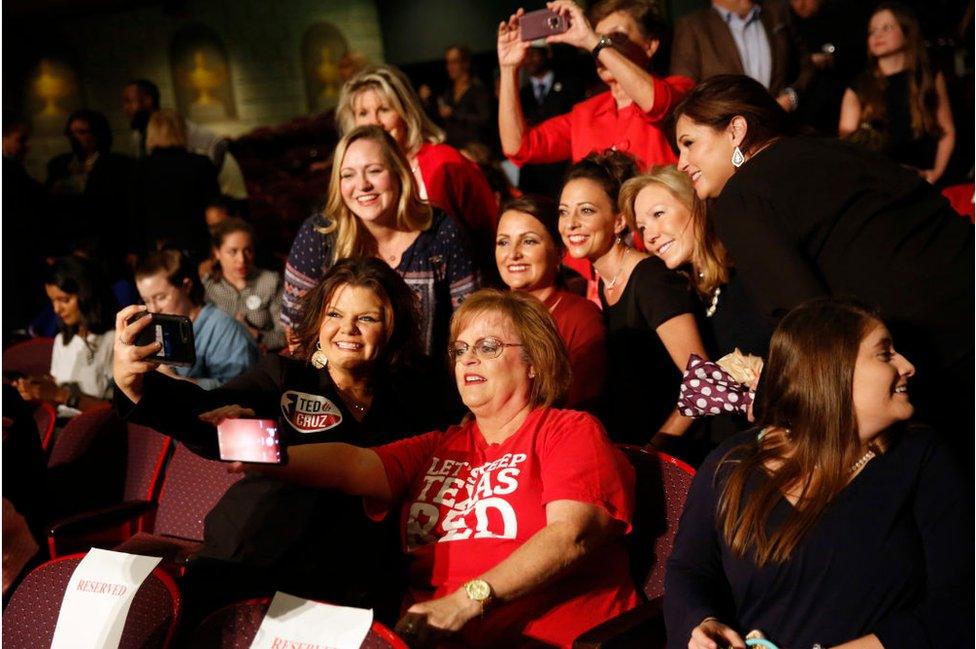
{"x":737,"y":157}
{"x":319,"y":359}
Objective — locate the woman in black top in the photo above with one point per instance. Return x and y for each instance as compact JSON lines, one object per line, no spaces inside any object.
{"x":352,"y":379}
{"x":661,"y":208}
{"x":898,"y":106}
{"x":651,"y":327}
{"x":864,"y":544}
{"x":803,"y":218}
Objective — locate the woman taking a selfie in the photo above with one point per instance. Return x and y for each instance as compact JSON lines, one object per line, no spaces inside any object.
{"x":513,"y":520}
{"x":354,"y":379}
{"x":374,"y":209}
{"x":834,"y":523}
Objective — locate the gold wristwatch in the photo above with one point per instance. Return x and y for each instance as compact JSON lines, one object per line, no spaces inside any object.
{"x":479,"y":590}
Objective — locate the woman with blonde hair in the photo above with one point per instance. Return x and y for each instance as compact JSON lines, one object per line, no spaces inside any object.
{"x":165,"y":129}
{"x":661,"y":208}
{"x":898,"y":105}
{"x":374,"y":209}
{"x":382,"y":95}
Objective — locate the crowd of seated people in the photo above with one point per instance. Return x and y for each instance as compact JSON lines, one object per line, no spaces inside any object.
{"x":477,"y":351}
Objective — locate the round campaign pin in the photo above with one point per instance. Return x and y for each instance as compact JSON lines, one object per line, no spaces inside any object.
{"x":253,"y":302}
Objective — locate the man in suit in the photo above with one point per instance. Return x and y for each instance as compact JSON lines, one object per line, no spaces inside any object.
{"x":544,"y":94}
{"x":744,"y":37}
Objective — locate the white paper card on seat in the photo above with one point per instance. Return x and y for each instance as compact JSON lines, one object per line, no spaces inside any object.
{"x":96,"y":601}
{"x":295,"y":622}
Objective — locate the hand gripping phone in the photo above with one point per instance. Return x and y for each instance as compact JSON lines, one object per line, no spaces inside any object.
{"x":539,"y":24}
{"x":174,"y":332}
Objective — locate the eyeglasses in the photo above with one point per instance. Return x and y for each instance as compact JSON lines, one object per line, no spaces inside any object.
{"x":484,"y":348}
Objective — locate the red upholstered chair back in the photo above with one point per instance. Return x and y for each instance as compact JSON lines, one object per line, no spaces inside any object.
{"x":45,"y":416}
{"x":234,"y":627}
{"x":30,"y":357}
{"x":146,"y":458}
{"x":32,"y":613}
{"x":662,"y":486}
{"x":82,"y":432}
{"x":192,"y":487}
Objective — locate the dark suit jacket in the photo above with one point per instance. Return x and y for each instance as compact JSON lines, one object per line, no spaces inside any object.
{"x":704,"y":47}
{"x":562,"y":96}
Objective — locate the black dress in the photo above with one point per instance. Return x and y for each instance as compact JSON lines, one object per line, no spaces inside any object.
{"x":899,"y":142}
{"x":266,"y":534}
{"x":642,"y":383}
{"x":806,"y":218}
{"x":891,"y":555}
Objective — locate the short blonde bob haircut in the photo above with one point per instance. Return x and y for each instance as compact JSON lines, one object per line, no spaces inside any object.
{"x":542,"y":347}
{"x":394,"y":88}
{"x":412,"y":214}
{"x":709,"y":261}
{"x":165,"y":129}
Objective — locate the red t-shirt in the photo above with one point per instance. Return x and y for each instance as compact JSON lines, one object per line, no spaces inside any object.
{"x":580,"y":325}
{"x":469,"y":504}
{"x":596,"y":124}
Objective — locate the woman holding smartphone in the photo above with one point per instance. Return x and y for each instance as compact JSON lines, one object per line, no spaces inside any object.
{"x":354,"y":378}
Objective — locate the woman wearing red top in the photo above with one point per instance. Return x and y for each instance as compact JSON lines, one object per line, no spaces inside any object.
{"x":512,"y":521}
{"x":528,"y":248}
{"x":627,"y":117}
{"x":382,"y":95}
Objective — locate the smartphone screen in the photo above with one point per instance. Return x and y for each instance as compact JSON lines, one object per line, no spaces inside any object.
{"x":250,"y":440}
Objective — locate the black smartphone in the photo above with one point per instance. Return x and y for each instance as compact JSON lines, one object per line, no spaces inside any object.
{"x":250,"y":440}
{"x":539,"y":24}
{"x":174,"y":332}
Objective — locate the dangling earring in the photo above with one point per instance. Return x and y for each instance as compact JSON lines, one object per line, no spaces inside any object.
{"x":737,"y":157}
{"x":319,"y":359}
{"x":617,"y":240}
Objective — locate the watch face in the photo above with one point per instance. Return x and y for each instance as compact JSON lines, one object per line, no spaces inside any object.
{"x":478,"y":590}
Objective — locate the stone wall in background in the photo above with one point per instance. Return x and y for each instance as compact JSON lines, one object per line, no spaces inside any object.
{"x":263,"y":41}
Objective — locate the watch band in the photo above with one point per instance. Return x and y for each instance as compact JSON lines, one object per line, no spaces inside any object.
{"x":605,"y":41}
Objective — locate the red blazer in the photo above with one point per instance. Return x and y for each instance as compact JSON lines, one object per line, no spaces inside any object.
{"x":596,"y":124}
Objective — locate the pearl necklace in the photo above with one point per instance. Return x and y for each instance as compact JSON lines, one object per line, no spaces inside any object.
{"x":857,"y":466}
{"x":710,"y":311}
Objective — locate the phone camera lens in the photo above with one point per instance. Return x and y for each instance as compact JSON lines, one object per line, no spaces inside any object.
{"x":553,"y":23}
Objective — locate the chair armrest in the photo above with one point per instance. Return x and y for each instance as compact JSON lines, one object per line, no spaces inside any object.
{"x":642,"y":626}
{"x":102,"y":518}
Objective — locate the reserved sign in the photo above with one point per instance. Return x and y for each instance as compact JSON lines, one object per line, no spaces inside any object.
{"x":295,"y":623}
{"x":97,"y":599}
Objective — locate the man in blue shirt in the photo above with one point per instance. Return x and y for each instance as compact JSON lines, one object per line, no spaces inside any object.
{"x":757,"y":39}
